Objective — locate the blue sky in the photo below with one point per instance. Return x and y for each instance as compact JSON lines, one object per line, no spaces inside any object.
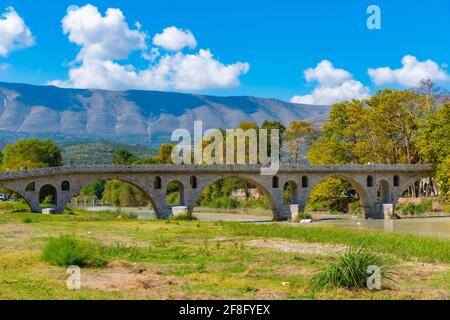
{"x":276,"y":40}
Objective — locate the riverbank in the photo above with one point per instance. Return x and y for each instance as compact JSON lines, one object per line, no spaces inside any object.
{"x":208,"y":260}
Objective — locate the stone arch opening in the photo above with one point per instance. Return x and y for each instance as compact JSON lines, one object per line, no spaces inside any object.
{"x":305,"y":182}
{"x":19,"y":202}
{"x":275,"y":182}
{"x":175,"y":193}
{"x":290,"y":193}
{"x":370,"y":181}
{"x":237,"y":192}
{"x":340,"y":193}
{"x":157,"y":183}
{"x":48,"y":196}
{"x":384,"y":195}
{"x":193,"y":182}
{"x":396,"y":181}
{"x":31,"y":187}
{"x":112,"y":192}
{"x":65,"y":186}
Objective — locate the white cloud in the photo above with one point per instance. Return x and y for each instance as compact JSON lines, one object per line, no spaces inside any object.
{"x":333,"y":85}
{"x":104,"y":40}
{"x":179,"y":71}
{"x":14,"y":33}
{"x":102,"y":37}
{"x":174,"y":39}
{"x":410,"y":74}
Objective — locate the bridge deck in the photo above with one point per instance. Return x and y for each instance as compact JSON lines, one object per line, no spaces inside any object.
{"x":211,"y":169}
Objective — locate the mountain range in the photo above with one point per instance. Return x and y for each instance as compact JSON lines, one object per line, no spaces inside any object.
{"x":134,"y":117}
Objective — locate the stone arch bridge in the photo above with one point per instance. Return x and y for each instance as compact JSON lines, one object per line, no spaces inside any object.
{"x":367,"y":180}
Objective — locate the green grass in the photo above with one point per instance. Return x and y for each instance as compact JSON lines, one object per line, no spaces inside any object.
{"x":401,"y":245}
{"x":200,"y":260}
{"x":67,"y":251}
{"x":350,"y":270}
{"x":26,"y":220}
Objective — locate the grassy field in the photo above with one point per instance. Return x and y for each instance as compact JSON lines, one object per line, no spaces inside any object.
{"x":206,"y":260}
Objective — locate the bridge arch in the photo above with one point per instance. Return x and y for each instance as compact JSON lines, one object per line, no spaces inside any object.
{"x":20,"y":193}
{"x":178,"y":186}
{"x":48,"y":192}
{"x":406,"y":183}
{"x":384,"y":194}
{"x":359,"y":185}
{"x":260,"y":185}
{"x":141,"y":186}
{"x":290,"y":193}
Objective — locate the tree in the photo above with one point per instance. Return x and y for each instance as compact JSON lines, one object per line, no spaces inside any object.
{"x":273,"y":125}
{"x":382,"y":129}
{"x":394,"y":119}
{"x":434,"y":145}
{"x":31,"y":154}
{"x":165,"y":154}
{"x":298,"y":135}
{"x":123,"y":157}
{"x":338,"y":143}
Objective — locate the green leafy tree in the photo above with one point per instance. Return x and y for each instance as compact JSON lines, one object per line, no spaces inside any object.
{"x":31,"y":154}
{"x":274,"y":125}
{"x":165,"y":154}
{"x":434,"y":144}
{"x":124,"y":157}
{"x":298,"y":135}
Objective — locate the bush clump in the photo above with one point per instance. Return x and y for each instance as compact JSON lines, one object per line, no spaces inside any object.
{"x":350,"y":270}
{"x":417,"y":209}
{"x":67,"y":251}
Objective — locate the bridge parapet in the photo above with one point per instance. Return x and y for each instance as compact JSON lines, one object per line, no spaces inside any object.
{"x":378,"y":168}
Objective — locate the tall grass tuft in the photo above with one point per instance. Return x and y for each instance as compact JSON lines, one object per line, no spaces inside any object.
{"x":350,"y":270}
{"x":67,"y":250}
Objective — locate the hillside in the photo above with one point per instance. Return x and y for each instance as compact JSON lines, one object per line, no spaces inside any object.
{"x":131,"y":117}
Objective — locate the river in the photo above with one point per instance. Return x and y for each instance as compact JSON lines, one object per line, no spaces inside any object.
{"x":433,"y":227}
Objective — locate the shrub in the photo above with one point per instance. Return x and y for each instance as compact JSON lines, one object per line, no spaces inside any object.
{"x":67,"y":250}
{"x":303,"y":216}
{"x":414,"y":209}
{"x":350,"y":270}
{"x":222,"y":203}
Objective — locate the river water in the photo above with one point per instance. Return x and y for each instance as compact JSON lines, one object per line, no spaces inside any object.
{"x":433,"y":227}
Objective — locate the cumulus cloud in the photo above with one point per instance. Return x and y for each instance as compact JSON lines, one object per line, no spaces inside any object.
{"x":333,"y":85}
{"x":174,"y":39}
{"x":102,"y":37}
{"x":14,"y":33}
{"x":106,"y":39}
{"x":179,"y":71}
{"x":410,"y":74}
